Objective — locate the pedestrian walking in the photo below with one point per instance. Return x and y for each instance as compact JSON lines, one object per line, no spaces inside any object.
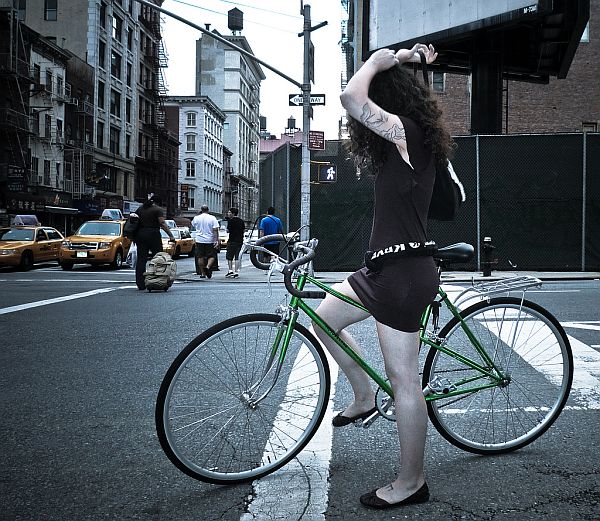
{"x":235,"y":228}
{"x":207,"y":241}
{"x":147,"y":239}
{"x":270,"y":224}
{"x":396,"y":128}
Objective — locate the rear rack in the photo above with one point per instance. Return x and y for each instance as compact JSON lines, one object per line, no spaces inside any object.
{"x":485,"y":290}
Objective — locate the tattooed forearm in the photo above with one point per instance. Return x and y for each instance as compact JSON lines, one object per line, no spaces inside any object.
{"x":371,"y":120}
{"x":396,"y":133}
{"x":378,"y":121}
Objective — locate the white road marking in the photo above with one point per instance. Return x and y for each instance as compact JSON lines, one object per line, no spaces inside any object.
{"x":591,"y":325}
{"x":300,"y":489}
{"x":22,"y":307}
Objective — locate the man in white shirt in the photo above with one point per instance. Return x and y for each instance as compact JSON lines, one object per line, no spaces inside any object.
{"x":207,"y":241}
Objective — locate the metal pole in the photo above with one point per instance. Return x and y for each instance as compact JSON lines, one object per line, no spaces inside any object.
{"x":584,"y":202}
{"x":305,"y":170}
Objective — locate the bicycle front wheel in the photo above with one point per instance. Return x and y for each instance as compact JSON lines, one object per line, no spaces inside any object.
{"x":233,"y":408}
{"x":532,"y":353}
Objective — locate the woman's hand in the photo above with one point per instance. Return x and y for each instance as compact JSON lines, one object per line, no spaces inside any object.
{"x":412,"y":55}
{"x":382,"y":60}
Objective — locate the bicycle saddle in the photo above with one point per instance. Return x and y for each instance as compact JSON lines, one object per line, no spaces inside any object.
{"x":459,"y":252}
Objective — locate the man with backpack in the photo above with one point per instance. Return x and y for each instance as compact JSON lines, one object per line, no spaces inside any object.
{"x":147,"y":237}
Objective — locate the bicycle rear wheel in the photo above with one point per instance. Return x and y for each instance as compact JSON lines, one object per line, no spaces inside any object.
{"x":208,"y":418}
{"x":529,"y":347}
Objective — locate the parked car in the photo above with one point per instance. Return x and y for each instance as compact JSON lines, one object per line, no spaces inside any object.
{"x":24,"y":246}
{"x":183,"y":245}
{"x":96,"y":242}
{"x":223,"y":237}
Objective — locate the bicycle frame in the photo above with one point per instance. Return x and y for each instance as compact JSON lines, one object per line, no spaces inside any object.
{"x":489,"y":370}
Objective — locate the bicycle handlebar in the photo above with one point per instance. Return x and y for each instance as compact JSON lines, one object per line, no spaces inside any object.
{"x":288,"y":270}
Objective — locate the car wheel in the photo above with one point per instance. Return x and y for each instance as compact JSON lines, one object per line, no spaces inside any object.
{"x":26,"y":261}
{"x":67,"y":266}
{"x":118,"y":262}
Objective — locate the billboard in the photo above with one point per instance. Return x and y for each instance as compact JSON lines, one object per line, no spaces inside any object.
{"x":395,"y":21}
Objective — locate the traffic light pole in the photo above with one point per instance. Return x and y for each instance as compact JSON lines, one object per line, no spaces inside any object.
{"x":304,"y":86}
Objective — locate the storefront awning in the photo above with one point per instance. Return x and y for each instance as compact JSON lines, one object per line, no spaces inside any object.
{"x":60,"y":209}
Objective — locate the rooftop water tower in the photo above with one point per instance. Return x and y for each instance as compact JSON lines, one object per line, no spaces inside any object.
{"x":235,"y":20}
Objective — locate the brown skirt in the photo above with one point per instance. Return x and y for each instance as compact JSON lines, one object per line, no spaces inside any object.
{"x":398,"y":294}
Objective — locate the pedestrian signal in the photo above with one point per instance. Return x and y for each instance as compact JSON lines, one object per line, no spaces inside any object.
{"x":327,"y":173}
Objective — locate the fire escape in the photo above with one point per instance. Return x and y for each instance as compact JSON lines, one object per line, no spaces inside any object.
{"x":164,"y":170}
{"x":16,"y":76}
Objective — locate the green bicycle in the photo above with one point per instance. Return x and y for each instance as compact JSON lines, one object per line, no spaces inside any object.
{"x":245,"y":397}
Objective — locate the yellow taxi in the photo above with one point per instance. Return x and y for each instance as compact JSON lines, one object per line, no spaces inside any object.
{"x":24,"y":246}
{"x":183,"y":245}
{"x":97,"y":242}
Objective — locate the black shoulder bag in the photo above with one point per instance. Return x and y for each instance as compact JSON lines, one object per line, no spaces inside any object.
{"x":448,"y":192}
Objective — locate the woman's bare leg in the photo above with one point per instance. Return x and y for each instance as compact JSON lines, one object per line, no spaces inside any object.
{"x":401,"y":355}
{"x":339,"y":315}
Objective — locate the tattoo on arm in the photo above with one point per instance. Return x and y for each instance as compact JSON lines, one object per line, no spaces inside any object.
{"x":396,"y":133}
{"x":371,"y":120}
{"x":375,"y":121}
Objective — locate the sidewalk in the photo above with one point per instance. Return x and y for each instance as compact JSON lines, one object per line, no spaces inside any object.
{"x":251,"y":274}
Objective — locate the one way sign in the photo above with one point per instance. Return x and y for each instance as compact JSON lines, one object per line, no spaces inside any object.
{"x":315,"y":99}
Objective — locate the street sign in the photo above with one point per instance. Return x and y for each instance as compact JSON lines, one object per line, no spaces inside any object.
{"x":327,"y":173}
{"x":316,"y":140}
{"x":315,"y":99}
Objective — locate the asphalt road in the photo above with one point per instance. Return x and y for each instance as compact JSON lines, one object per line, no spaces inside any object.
{"x":80,"y":373}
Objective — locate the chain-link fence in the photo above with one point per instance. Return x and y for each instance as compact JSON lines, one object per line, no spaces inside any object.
{"x":536,"y":196}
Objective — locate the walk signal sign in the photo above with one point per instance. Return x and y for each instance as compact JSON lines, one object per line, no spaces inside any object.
{"x":327,"y":173}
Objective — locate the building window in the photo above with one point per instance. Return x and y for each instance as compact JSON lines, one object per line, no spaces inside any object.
{"x":129,"y":74}
{"x":115,"y":64}
{"x":589,"y":126}
{"x":100,"y":135}
{"x":190,"y":142}
{"x":439,"y":82}
{"x":117,"y":28}
{"x":50,"y":9}
{"x":47,"y":172}
{"x":57,"y":175}
{"x":127,"y":145}
{"x":115,"y":138}
{"x":35,"y":168}
{"x":103,"y":15}
{"x":59,"y":131}
{"x":60,"y":87}
{"x":48,"y":80}
{"x":100,"y":95}
{"x":190,"y":169}
{"x":191,"y":119}
{"x":191,"y":197}
{"x":130,"y":38}
{"x":102,"y":54}
{"x":47,"y":126}
{"x":115,"y":103}
{"x":128,"y":110}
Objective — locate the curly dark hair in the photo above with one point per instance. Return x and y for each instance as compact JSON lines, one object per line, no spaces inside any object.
{"x":399,"y":92}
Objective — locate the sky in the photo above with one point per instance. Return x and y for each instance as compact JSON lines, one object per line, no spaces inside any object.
{"x":271,"y":28}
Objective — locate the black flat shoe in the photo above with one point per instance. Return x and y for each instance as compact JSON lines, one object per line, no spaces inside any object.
{"x":341,"y":421}
{"x":372,"y":500}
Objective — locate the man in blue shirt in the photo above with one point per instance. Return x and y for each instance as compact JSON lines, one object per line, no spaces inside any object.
{"x":268,"y":226}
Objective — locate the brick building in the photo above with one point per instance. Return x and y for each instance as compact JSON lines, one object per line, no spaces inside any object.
{"x":566,"y":105}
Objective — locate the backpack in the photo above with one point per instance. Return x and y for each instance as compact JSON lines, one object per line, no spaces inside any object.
{"x":160,"y":273}
{"x":131,"y":226}
{"x":448,"y":192}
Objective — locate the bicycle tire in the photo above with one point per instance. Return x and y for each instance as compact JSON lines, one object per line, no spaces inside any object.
{"x":205,"y":424}
{"x":533,"y":350}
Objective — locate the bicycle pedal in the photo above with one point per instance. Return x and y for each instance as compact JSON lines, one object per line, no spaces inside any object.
{"x":368,"y":421}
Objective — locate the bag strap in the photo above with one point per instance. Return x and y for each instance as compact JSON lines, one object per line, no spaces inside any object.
{"x":424,"y":67}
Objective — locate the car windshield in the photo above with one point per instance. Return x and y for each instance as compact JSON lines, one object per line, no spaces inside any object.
{"x":174,"y":232}
{"x":96,"y":228}
{"x":14,"y":234}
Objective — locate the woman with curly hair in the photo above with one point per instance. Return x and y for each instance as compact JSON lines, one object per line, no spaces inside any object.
{"x":396,"y":129}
